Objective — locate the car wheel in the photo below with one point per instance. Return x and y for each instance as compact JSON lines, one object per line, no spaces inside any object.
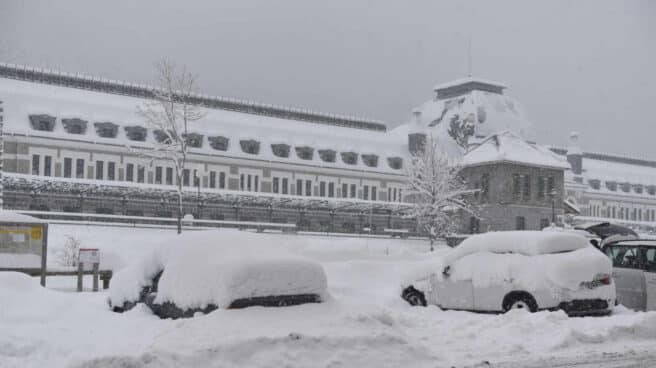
{"x":414,"y":296}
{"x":520,"y":300}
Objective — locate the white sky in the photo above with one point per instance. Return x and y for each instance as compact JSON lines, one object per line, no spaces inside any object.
{"x":574,"y":65}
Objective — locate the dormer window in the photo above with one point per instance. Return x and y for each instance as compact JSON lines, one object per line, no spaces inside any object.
{"x":75,"y":125}
{"x":250,"y":146}
{"x":651,"y":189}
{"x":136,"y":133}
{"x":219,"y":143}
{"x":626,"y":187}
{"x":637,"y":188}
{"x":305,"y":152}
{"x":595,"y":183}
{"x":106,"y":129}
{"x":45,"y":123}
{"x":370,"y":160}
{"x":162,"y":137}
{"x":280,"y":150}
{"x":395,"y":163}
{"x":327,"y":155}
{"x":611,"y":185}
{"x":194,"y":140}
{"x":349,"y":158}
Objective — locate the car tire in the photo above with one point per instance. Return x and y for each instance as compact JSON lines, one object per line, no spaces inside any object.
{"x":414,"y":297}
{"x":520,"y":300}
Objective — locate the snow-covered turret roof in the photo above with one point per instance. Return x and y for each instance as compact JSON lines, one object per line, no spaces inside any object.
{"x":469,"y":83}
{"x":511,"y":148}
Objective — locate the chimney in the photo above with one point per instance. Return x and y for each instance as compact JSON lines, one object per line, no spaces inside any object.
{"x":574,"y":154}
{"x":417,"y":134}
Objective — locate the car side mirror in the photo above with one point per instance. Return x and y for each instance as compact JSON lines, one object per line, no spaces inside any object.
{"x":447,"y":271}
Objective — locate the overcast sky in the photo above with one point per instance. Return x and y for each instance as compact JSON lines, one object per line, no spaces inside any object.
{"x":574,"y":65}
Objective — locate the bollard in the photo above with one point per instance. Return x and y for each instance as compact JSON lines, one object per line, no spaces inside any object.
{"x":96,"y":266}
{"x":80,"y":267}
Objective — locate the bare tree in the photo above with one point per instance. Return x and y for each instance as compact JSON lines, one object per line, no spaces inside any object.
{"x":437,"y":190}
{"x":168,"y":116}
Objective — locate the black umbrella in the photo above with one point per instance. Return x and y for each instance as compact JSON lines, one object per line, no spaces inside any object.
{"x":606,"y":229}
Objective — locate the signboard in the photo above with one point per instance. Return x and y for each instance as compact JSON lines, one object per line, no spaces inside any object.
{"x":21,"y":245}
{"x":89,"y":256}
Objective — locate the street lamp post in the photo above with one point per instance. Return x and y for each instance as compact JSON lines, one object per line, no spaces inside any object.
{"x":553,"y":195}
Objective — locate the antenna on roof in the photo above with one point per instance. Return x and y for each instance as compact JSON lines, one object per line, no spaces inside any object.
{"x":469,"y":57}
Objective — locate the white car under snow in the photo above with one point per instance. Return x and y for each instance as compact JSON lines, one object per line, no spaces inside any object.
{"x":205,"y":270}
{"x":533,"y":270}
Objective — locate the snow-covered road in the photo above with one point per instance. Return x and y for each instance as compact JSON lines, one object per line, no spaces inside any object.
{"x":364,"y":324}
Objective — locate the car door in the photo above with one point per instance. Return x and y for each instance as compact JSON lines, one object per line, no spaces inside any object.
{"x":628,"y":275}
{"x":650,"y":277}
{"x":454,"y":293}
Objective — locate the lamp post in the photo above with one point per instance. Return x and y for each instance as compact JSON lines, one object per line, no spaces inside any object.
{"x":197,"y":185}
{"x":553,"y":195}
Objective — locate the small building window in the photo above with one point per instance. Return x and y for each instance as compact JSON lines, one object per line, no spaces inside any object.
{"x":136,"y":133}
{"x":250,"y":146}
{"x":374,"y":193}
{"x":305,"y":152}
{"x":285,"y":186}
{"x":99,"y":170}
{"x":474,"y":225}
{"x":551,"y":186}
{"x":544,"y":223}
{"x":331,"y":189}
{"x":299,"y":187}
{"x":327,"y":155}
{"x":158,"y":175}
{"x":516,"y":186}
{"x":169,"y":176}
{"x":161,"y":136}
{"x":349,"y":158}
{"x":280,"y":150}
{"x":485,"y":187}
{"x":222,"y":180}
{"x":353,"y":192}
{"x":365,"y":193}
{"x":520,"y":223}
{"x":194,"y":140}
{"x":185,"y":177}
{"x":45,"y":123}
{"x":308,"y":188}
{"x":106,"y":129}
{"x":47,"y":165}
{"x":75,"y":126}
{"x":68,"y":167}
{"x":219,"y":143}
{"x":129,"y":172}
{"x":370,"y":160}
{"x":395,"y":163}
{"x":111,"y":171}
{"x":322,"y":189}
{"x":526,"y":192}
{"x":212,"y":179}
{"x":276,"y":185}
{"x":36,"y":159}
{"x":344,"y":190}
{"x":79,"y":168}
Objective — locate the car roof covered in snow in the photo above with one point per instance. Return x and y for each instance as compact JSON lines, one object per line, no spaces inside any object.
{"x":529,"y":243}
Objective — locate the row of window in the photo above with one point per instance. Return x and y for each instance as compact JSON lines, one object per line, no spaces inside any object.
{"x":622,"y":213}
{"x":221,"y":143}
{"x":107,"y":170}
{"x":522,"y":187}
{"x":625,"y":187}
{"x":520,"y":224}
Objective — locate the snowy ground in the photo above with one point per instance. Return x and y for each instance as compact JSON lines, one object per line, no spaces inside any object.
{"x":365,"y":324}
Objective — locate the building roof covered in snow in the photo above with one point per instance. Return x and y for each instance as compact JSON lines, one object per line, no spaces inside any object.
{"x":41,"y":103}
{"x":508,"y":147}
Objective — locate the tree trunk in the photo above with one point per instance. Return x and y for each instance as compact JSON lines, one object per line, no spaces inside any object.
{"x":180,"y":206}
{"x":432,"y":239}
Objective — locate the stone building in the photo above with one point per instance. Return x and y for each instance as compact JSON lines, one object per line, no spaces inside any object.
{"x":70,"y":145}
{"x":520,"y":185}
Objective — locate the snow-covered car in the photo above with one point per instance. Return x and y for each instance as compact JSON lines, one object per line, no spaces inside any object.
{"x":533,"y":270}
{"x":634,"y":272}
{"x":206,"y":270}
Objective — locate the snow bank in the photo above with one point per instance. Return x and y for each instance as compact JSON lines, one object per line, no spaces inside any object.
{"x":217,"y":267}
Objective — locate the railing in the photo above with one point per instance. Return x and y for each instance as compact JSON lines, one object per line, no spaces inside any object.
{"x":143,"y":221}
